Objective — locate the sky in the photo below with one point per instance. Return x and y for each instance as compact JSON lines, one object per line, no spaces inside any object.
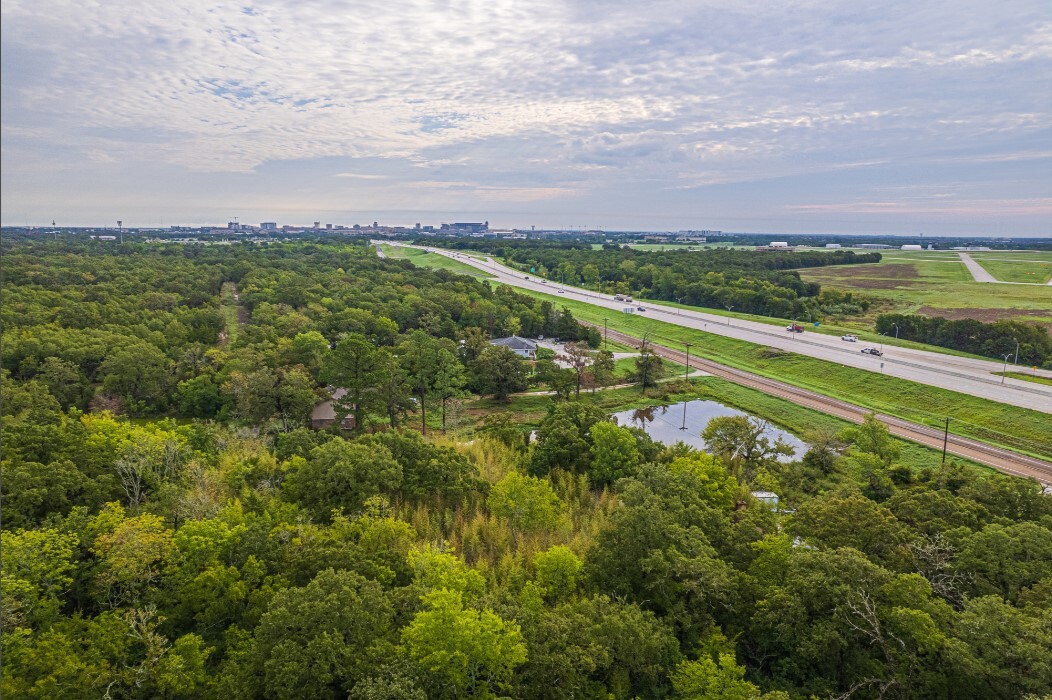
{"x":901,"y":117}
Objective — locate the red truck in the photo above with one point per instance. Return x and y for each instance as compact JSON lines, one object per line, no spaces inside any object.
{"x":794,"y":328}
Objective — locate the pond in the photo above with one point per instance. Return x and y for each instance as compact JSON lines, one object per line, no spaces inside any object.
{"x":663,"y":423}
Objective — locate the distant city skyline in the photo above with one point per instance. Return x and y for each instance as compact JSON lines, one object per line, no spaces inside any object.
{"x":808,"y":117}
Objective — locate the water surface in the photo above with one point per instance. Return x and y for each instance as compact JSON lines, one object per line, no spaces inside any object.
{"x":663,"y":423}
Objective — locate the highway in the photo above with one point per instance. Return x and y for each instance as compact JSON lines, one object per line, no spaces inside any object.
{"x":962,"y":374}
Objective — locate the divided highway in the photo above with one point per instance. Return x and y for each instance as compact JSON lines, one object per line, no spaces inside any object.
{"x":962,"y":374}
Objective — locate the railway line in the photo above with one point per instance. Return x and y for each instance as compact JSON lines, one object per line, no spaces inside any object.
{"x":999,"y":458}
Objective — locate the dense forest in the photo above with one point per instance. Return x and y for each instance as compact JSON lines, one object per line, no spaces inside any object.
{"x":994,"y":340}
{"x":172,"y":529}
{"x":718,"y":278}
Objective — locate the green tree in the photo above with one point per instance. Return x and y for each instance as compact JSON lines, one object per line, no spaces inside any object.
{"x":141,"y":374}
{"x":499,"y":371}
{"x":319,"y":640}
{"x":462,"y":651}
{"x":529,"y":504}
{"x":590,"y":275}
{"x":872,"y":437}
{"x":358,"y":366}
{"x":342,"y":475}
{"x":64,"y":380}
{"x":559,"y":572}
{"x":740,"y":440}
{"x":614,"y":453}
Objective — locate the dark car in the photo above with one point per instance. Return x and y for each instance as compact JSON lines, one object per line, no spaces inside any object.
{"x":871,"y":351}
{"x":640,"y":308}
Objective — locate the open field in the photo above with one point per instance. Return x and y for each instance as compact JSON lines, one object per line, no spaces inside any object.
{"x":936,"y":284}
{"x":1017,"y":269}
{"x":432,"y":260}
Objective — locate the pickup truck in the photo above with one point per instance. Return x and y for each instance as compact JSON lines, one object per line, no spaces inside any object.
{"x":794,"y":328}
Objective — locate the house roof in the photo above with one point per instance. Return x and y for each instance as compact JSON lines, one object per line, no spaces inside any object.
{"x":515,"y":343}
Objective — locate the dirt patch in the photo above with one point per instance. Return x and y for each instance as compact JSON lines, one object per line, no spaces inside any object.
{"x":984,"y":315}
{"x":894,"y":276}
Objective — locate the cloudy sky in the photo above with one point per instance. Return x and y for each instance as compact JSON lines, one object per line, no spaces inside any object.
{"x":900,"y":116}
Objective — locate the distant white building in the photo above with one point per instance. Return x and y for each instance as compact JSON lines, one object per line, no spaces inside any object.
{"x":768,"y":498}
{"x":779,"y":244}
{"x":912,"y":247}
{"x":833,"y":245}
{"x":523,"y":347}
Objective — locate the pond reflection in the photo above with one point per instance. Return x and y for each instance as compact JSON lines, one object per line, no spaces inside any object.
{"x":664,"y":423}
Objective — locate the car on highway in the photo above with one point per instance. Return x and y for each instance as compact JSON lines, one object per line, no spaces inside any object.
{"x":562,"y":291}
{"x":640,"y":308}
{"x":794,"y":328}
{"x":850,"y":338}
{"x":871,"y":351}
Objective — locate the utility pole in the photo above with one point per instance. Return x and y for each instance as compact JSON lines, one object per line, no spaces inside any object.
{"x":606,"y":334}
{"x":945,"y":439}
{"x":686,"y":370}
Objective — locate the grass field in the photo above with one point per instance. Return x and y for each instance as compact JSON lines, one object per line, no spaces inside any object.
{"x":432,"y":260}
{"x":1015,"y":267}
{"x":938,"y":284}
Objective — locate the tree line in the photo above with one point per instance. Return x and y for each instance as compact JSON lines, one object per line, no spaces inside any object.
{"x":993,"y":340}
{"x":719,"y":278}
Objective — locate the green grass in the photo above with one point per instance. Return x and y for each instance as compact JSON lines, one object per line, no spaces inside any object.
{"x":432,"y":260}
{"x":936,"y":285}
{"x":1018,"y":428}
{"x":1014,"y":270}
{"x":1026,"y":377}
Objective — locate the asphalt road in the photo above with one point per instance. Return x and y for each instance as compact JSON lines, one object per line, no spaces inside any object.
{"x":965,"y":375}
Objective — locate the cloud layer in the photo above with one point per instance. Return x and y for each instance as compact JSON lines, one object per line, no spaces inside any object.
{"x":766,"y":115}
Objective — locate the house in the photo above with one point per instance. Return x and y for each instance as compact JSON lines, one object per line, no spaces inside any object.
{"x":523,"y":347}
{"x":768,"y":498}
{"x":324,"y":413}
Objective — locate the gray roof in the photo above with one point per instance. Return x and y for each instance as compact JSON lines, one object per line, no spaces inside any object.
{"x":515,"y":343}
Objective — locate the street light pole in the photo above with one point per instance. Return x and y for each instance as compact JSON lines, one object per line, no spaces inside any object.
{"x":729,"y":307}
{"x":1015,"y":357}
{"x":1004,"y":370}
{"x":896,"y":330}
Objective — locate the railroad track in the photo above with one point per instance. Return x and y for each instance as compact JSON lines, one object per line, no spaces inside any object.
{"x":997,"y":457}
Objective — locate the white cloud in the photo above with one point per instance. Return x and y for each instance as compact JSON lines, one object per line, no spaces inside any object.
{"x":525,"y":101}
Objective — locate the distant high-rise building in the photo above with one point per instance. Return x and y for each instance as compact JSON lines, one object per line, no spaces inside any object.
{"x":269,"y":226}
